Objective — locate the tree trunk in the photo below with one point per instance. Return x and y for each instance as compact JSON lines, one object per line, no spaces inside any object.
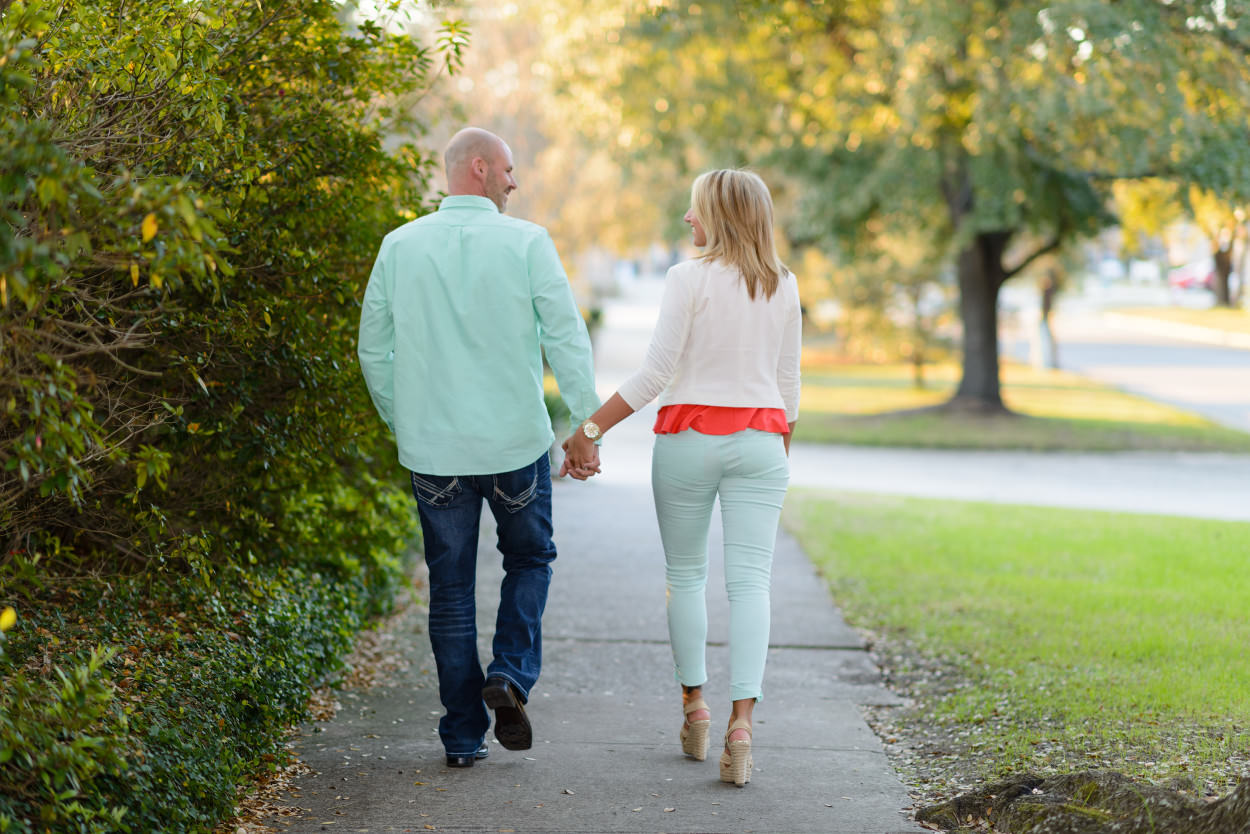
{"x":1223,"y":256}
{"x":919,"y":335}
{"x":981,"y":275}
{"x":1244,"y":271}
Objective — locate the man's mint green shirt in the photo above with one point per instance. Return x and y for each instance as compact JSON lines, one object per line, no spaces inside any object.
{"x":456,"y":308}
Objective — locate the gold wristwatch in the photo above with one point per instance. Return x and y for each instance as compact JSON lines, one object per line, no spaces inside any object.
{"x":591,"y":430}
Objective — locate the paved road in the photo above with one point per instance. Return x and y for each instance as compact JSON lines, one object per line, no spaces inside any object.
{"x":1132,"y":354}
{"x":1212,"y":381}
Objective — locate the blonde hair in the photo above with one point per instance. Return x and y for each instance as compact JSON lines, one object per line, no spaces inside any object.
{"x":736,"y":212}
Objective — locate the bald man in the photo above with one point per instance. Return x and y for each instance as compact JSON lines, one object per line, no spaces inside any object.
{"x":456,"y":310}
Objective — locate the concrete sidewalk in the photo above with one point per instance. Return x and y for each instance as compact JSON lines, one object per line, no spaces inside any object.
{"x":606,"y":711}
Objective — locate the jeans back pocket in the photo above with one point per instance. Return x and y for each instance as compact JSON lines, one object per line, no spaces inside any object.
{"x":515,"y":490}
{"x":435,"y":490}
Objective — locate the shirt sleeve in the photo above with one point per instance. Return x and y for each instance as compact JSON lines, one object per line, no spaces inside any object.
{"x":790,"y":358}
{"x":562,"y":330}
{"x":672,"y":329}
{"x":376,"y":342}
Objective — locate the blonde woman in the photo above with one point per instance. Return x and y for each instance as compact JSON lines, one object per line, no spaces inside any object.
{"x":725,"y":354}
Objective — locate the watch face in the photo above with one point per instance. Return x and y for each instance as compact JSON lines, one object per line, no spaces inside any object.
{"x":590,"y":430}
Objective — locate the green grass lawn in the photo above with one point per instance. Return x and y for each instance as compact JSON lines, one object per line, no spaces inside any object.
{"x":1232,"y":321}
{"x":1055,"y":410}
{"x":1074,"y":639}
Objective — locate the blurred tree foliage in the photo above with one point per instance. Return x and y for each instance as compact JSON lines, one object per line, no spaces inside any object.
{"x":192,"y":193}
{"x":579,"y":190}
{"x":1146,"y":207}
{"x":993,"y":128}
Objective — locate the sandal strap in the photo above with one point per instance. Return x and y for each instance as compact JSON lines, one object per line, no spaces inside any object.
{"x":696,"y":704}
{"x":739,"y":724}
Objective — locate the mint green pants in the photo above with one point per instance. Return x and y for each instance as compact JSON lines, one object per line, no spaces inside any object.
{"x":749,"y":471}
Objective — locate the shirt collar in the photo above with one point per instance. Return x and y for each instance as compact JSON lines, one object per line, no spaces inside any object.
{"x":468,"y":201}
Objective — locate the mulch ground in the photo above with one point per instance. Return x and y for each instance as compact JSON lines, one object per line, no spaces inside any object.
{"x":941,"y":760}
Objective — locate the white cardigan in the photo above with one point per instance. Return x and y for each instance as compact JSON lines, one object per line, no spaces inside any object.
{"x":713,"y":345}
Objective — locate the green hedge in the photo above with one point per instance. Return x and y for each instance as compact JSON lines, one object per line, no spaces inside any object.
{"x":186,"y":694}
{"x":198,"y":504}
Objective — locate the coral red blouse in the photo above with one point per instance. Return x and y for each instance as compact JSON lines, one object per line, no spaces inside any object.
{"x":719,"y":419}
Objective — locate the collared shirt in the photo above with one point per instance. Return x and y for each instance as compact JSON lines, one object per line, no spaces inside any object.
{"x":456,"y":308}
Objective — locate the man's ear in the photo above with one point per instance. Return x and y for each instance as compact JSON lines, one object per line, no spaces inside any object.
{"x":479,"y":166}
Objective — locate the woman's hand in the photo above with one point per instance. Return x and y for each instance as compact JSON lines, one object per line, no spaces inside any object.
{"x":581,"y":457}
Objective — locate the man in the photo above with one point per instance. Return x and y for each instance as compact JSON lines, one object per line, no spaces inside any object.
{"x":455,"y":310}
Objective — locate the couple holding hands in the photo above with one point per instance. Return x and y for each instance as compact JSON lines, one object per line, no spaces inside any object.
{"x":458,"y":306}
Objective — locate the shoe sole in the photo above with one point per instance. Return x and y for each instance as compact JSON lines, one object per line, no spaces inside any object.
{"x":736,"y":766}
{"x":512,"y":727}
{"x":467,"y":761}
{"x":694,"y":739}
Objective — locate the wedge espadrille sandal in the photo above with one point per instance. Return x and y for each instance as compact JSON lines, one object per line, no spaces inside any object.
{"x":736,"y":762}
{"x":694,"y":733}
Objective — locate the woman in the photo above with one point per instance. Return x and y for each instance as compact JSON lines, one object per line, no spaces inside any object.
{"x":725,"y":353}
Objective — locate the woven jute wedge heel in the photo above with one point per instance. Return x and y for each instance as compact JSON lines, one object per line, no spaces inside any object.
{"x":694,"y":733}
{"x":736,"y":762}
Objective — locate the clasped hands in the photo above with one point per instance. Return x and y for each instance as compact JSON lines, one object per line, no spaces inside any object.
{"x":581,"y":457}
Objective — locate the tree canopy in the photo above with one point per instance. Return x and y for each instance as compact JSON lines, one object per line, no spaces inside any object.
{"x":998,"y":126}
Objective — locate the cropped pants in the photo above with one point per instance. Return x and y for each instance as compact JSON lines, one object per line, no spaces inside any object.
{"x":749,"y":471}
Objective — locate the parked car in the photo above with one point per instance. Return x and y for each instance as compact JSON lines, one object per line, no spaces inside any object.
{"x":1199,"y":275}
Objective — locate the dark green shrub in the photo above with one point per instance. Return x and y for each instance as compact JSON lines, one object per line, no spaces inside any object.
{"x":154,"y":733}
{"x":60,"y":737}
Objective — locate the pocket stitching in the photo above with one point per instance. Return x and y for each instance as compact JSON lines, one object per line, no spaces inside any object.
{"x":520,"y":501}
{"x":434,"y":495}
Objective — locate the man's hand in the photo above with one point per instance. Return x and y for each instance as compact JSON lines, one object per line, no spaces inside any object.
{"x":581,"y":457}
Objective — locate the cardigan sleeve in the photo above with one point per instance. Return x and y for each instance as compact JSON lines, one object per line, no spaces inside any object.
{"x":789,"y":360}
{"x":672,"y":329}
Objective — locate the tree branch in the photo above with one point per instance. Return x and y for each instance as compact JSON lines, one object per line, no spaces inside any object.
{"x":1050,"y":246}
{"x":264,"y":24}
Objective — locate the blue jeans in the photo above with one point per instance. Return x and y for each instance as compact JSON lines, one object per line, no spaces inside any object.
{"x":451,"y":511}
